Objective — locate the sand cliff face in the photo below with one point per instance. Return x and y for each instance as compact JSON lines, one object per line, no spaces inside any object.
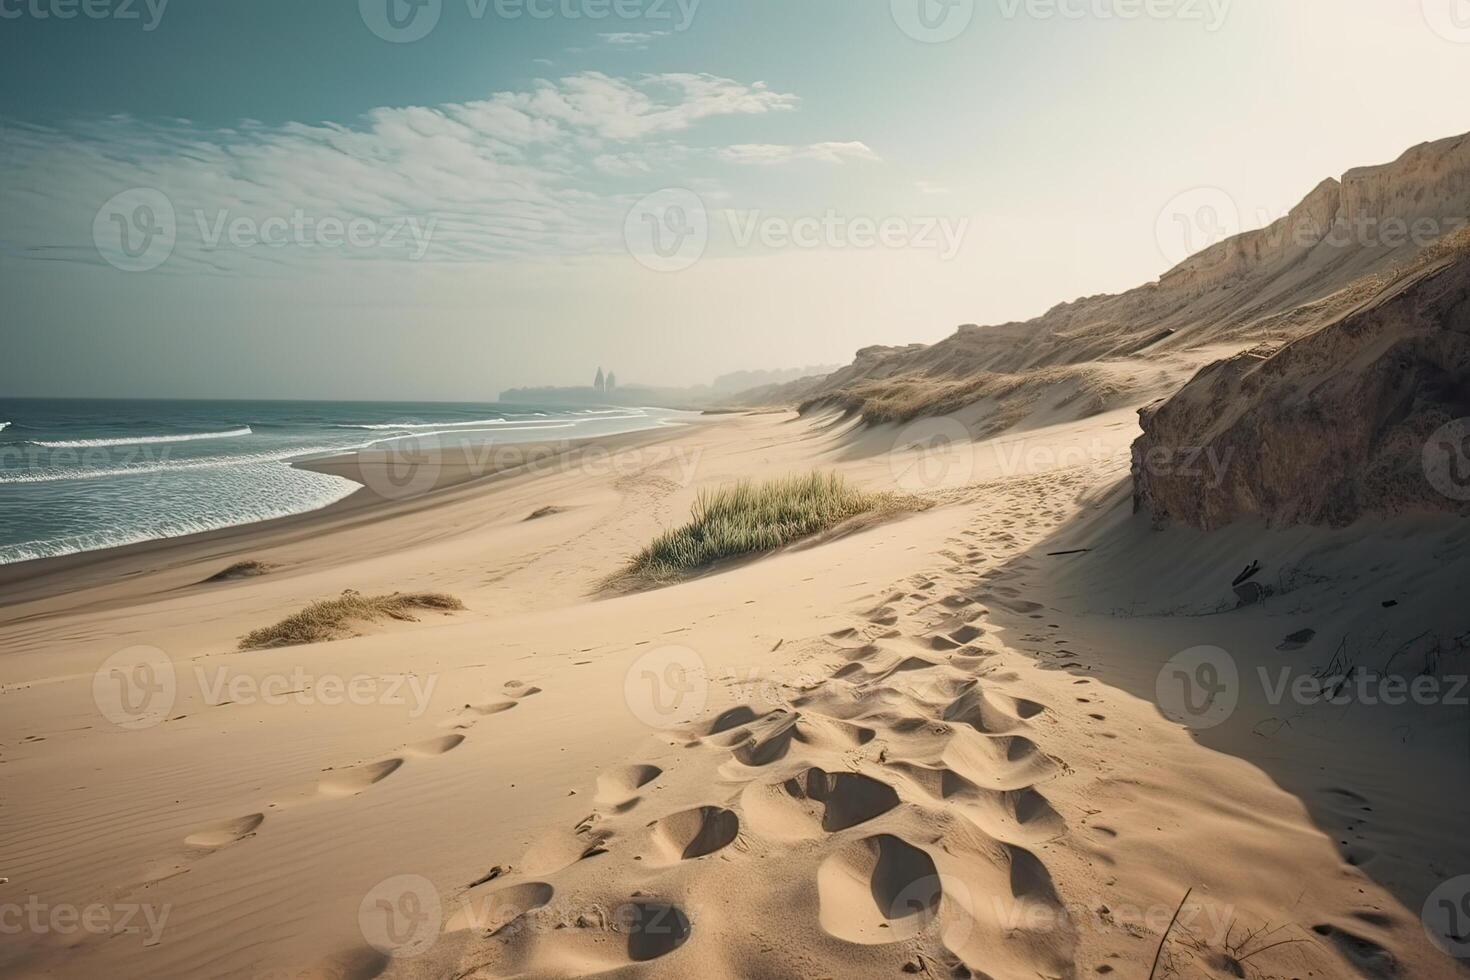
{"x":1275,"y":283}
{"x":1350,"y":420}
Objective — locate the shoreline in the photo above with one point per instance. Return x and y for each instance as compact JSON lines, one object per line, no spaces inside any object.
{"x":456,"y":472}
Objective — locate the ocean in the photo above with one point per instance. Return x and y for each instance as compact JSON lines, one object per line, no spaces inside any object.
{"x":78,"y":475}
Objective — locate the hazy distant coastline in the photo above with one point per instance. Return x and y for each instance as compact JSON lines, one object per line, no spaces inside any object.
{"x":726,"y":389}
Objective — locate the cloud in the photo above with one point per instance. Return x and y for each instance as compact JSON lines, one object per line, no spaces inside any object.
{"x":771,"y":154}
{"x":622,"y":164}
{"x":633,"y":39}
{"x":616,"y":109}
{"x":518,"y":173}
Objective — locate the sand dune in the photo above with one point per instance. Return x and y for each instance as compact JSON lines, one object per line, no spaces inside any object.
{"x":966,"y":742}
{"x":852,"y":798}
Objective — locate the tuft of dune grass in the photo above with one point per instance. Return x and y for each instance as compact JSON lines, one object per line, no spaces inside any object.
{"x":746,"y":518}
{"x":328,"y":619}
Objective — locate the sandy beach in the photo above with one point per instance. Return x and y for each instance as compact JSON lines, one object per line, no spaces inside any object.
{"x":747,"y":490}
{"x":939,"y":746}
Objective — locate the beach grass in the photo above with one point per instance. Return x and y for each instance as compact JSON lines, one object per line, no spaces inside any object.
{"x":747,"y":518}
{"x":328,"y":619}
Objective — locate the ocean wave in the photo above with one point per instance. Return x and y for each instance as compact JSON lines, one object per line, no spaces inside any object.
{"x":168,"y":466}
{"x":394,"y":426}
{"x":281,"y":493}
{"x":4,"y":426}
{"x":244,"y":430}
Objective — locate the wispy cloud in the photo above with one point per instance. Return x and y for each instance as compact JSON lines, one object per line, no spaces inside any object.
{"x":770,"y":154}
{"x":633,"y":39}
{"x":533,"y":171}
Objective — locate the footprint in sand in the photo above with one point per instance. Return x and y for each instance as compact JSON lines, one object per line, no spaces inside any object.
{"x":619,"y":787}
{"x":492,"y":912}
{"x":965,"y":634}
{"x":350,"y":782}
{"x":654,"y":929}
{"x":559,"y":850}
{"x":877,"y":890}
{"x":225,"y":832}
{"x":1368,"y":957}
{"x":815,"y":801}
{"x":436,"y":746}
{"x":996,"y":761}
{"x":519,"y":689}
{"x":726,"y":728}
{"x":491,"y":708}
{"x":354,"y":964}
{"x":883,"y":617}
{"x":466,"y":717}
{"x":694,"y":833}
{"x":990,"y":714}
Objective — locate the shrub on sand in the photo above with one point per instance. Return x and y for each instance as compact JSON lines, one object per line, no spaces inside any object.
{"x":328,"y":619}
{"x":746,"y":518}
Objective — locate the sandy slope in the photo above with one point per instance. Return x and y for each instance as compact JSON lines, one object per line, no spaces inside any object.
{"x":929,"y":747}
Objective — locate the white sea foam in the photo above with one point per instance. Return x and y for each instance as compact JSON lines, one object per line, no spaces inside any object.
{"x":166,"y":466}
{"x":395,"y":426}
{"x":143,"y":440}
{"x":4,"y":426}
{"x":604,"y":415}
{"x":258,"y":495}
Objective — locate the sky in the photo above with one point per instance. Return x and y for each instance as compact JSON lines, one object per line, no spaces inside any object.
{"x":442,"y":199}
